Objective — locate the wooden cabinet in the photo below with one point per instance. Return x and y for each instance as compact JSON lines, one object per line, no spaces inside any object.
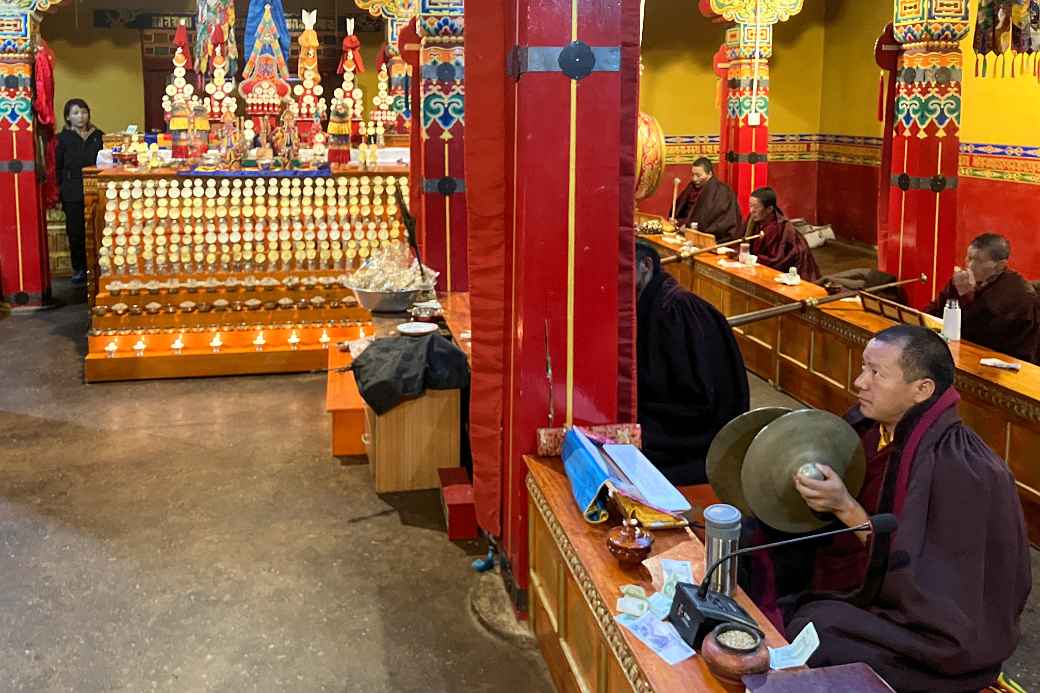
{"x":408,"y":444}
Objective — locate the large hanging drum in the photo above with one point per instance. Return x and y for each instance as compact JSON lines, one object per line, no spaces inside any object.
{"x":649,"y":156}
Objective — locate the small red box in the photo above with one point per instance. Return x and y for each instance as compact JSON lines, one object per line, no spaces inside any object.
{"x":460,"y":514}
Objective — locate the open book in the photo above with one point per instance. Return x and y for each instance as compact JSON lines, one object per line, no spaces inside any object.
{"x":597,"y":473}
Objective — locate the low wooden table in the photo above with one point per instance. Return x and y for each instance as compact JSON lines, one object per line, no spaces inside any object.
{"x":574,"y":585}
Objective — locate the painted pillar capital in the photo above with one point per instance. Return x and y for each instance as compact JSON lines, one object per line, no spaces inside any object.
{"x":926,"y":21}
{"x":753,"y":11}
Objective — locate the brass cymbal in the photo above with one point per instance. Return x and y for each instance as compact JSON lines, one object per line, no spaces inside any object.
{"x":726,"y":454}
{"x":801,"y":437}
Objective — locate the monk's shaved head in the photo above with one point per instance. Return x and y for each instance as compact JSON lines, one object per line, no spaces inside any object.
{"x":995,"y":246}
{"x":924,"y":354}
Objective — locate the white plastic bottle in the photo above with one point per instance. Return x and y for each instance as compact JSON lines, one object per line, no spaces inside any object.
{"x":952,"y":320}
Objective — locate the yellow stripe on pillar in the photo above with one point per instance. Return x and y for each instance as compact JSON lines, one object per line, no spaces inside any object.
{"x":572,"y":190}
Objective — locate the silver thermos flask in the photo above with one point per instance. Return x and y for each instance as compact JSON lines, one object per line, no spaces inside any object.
{"x":721,"y":538}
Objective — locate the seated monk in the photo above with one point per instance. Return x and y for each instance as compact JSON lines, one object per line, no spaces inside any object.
{"x":935,"y":606}
{"x":1000,"y":310}
{"x":709,"y":203}
{"x":692,"y":380}
{"x":781,"y":246}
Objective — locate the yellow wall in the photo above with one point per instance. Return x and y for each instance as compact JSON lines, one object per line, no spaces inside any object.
{"x":1002,"y":110}
{"x":101,"y":67}
{"x":796,"y":71}
{"x":850,"y":75}
{"x":822,"y":74}
{"x":679,"y":86}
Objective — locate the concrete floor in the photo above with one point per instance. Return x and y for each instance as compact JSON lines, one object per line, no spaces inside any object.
{"x":196,"y":536}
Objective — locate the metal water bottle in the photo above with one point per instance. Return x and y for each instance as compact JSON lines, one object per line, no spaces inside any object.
{"x":721,"y":538}
{"x":951,"y":329}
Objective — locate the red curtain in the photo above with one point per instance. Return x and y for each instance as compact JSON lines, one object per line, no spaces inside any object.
{"x":488,"y":191}
{"x":630,"y":22}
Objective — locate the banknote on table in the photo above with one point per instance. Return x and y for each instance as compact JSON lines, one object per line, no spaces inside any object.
{"x":659,"y":636}
{"x":633,"y":606}
{"x":674,"y":572}
{"x":660,"y":605}
{"x":684,"y":552}
{"x":798,"y":652}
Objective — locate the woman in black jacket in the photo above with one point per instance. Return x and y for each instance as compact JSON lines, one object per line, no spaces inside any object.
{"x":78,"y":147}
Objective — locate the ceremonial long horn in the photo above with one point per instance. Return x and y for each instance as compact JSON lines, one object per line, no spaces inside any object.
{"x":766,"y":313}
{"x":671,"y":259}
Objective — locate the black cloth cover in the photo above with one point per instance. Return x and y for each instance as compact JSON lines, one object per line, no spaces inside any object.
{"x":394,"y":369}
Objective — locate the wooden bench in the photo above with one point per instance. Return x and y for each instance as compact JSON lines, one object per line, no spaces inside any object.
{"x":344,"y":402}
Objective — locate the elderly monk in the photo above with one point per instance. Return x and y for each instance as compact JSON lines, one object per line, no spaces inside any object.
{"x":709,"y":203}
{"x":999,"y":308}
{"x":781,"y":246}
{"x":692,"y":380}
{"x":936,"y":605}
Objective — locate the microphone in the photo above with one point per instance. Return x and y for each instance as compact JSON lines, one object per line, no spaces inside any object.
{"x":696,"y":610}
{"x":878,"y":524}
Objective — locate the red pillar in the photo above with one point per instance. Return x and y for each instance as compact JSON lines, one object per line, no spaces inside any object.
{"x":439,"y":115}
{"x":746,"y":109}
{"x":571,"y":247}
{"x":24,"y":262}
{"x":918,"y":233}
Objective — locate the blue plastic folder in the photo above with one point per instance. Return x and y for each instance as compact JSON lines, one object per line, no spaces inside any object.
{"x":596,"y":472}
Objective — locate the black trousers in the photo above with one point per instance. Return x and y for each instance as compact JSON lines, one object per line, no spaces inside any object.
{"x":76,"y":230}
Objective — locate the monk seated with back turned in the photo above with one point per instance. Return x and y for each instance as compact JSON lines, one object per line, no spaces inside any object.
{"x":935,"y":606}
{"x":781,"y":246}
{"x":709,"y":203}
{"x":692,"y":380}
{"x":1000,"y":310}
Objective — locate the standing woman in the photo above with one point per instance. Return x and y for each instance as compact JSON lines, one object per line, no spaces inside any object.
{"x":78,"y":147}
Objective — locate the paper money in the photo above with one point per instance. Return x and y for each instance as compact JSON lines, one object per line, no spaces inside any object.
{"x":659,"y":636}
{"x":633,"y":591}
{"x":798,"y":652}
{"x":675,"y":572}
{"x":633,"y":606}
{"x":660,"y":605}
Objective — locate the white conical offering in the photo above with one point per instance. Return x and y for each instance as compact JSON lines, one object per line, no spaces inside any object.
{"x":178,"y":344}
{"x":139,"y":347}
{"x":216,"y":342}
{"x":111,"y":348}
{"x":259,"y":342}
{"x":294,"y":340}
{"x":324,"y":339}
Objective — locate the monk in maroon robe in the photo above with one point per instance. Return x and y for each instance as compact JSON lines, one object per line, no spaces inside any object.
{"x":935,"y":606}
{"x":709,"y":203}
{"x":1000,"y":310}
{"x":781,"y":246}
{"x":692,"y":380}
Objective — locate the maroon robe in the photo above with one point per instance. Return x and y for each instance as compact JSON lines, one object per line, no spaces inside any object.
{"x":713,"y":207}
{"x":1002,"y":315}
{"x":938,"y":602}
{"x":692,"y":380}
{"x":782,"y":247}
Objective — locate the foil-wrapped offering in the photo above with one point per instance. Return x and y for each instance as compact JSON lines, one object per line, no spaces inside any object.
{"x":393,"y":268}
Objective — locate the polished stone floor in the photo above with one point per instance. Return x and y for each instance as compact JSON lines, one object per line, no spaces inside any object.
{"x":197,"y":535}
